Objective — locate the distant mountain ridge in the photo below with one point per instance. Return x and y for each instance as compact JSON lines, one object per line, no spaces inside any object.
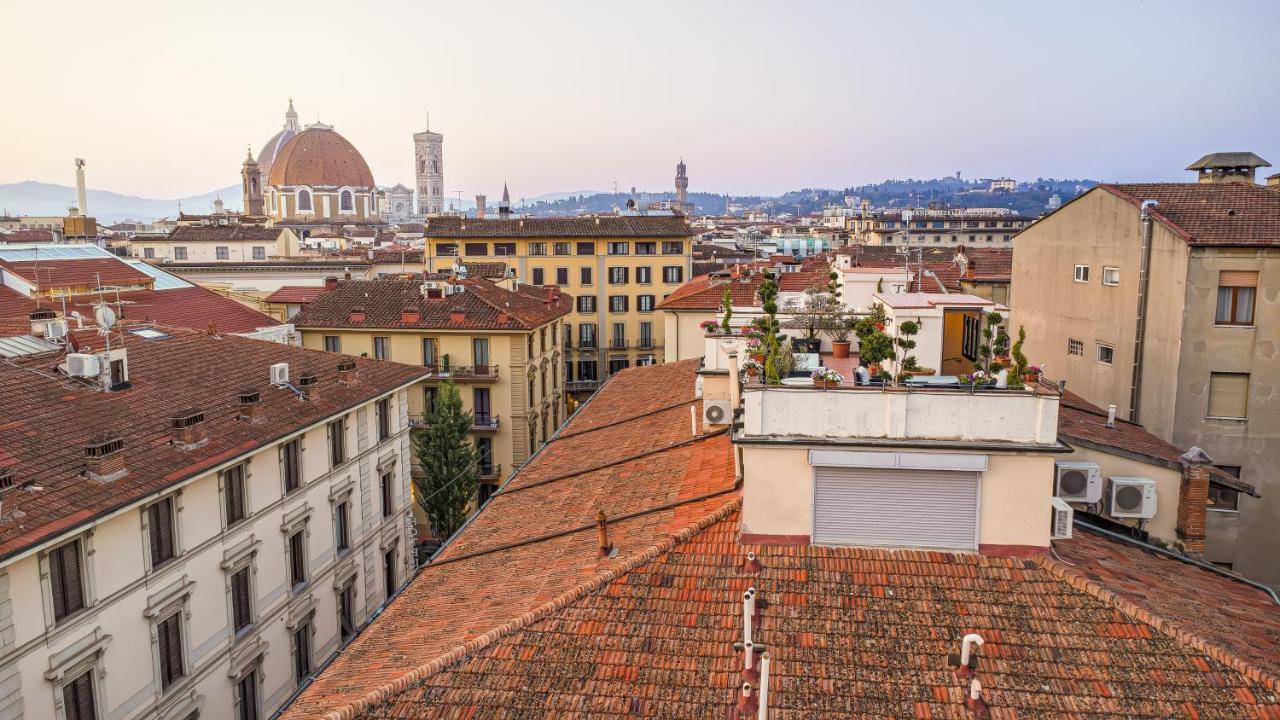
{"x":39,"y":198}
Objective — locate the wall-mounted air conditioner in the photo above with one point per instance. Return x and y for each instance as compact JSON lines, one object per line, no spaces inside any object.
{"x":1078,"y":481}
{"x":1060,"y":526}
{"x":279,"y":373}
{"x":55,"y":329}
{"x":1133,"y":497}
{"x":716,"y":412}
{"x":83,"y":365}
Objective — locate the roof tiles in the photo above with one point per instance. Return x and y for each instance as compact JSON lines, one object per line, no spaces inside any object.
{"x":595,"y":226}
{"x":1211,"y":213}
{"x":483,"y":305}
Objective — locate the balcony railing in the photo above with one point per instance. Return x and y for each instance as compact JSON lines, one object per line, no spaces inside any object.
{"x":490,"y":472}
{"x":618,"y":344}
{"x":468,"y":373}
{"x":583,"y":385}
{"x":484,"y":423}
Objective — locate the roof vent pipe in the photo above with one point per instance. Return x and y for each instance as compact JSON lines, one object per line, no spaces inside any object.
{"x":748,"y":611}
{"x":1140,"y":327}
{"x":747,"y":705}
{"x":966,"y":644}
{"x":602,"y":534}
{"x":764,"y":687}
{"x":1111,"y":415}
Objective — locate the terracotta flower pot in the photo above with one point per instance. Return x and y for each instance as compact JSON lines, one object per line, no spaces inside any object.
{"x":826,"y":384}
{"x":1031,"y":378}
{"x":758,"y":357}
{"x":840,"y":348}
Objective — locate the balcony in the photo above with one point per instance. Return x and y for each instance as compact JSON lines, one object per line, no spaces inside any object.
{"x":463,"y":373}
{"x":575,"y":386}
{"x":489,"y":473}
{"x":618,"y":344}
{"x":485,"y":423}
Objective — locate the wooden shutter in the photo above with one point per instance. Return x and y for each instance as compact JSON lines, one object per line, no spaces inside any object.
{"x":240,"y":607}
{"x":1238,"y":278}
{"x":234,"y":489}
{"x":170,"y":647}
{"x":161,"y":522}
{"x":64,"y":579}
{"x":77,"y":698}
{"x":297,"y":559}
{"x":1228,"y":395}
{"x":895,"y":508}
{"x":248,"y":709}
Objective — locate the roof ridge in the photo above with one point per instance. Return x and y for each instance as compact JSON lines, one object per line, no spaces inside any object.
{"x":460,"y":652}
{"x":1062,"y":571}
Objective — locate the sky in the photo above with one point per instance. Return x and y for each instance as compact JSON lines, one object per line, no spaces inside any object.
{"x":162,"y":98}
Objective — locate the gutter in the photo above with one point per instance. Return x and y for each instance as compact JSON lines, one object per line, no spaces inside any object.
{"x":1140,"y":333}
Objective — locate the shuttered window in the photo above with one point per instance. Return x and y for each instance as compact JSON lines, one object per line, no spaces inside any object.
{"x":247,"y":702}
{"x":302,"y":652}
{"x":341,"y":531}
{"x":169,"y":637}
{"x":347,"y":612}
{"x":1228,"y":395}
{"x":233,"y":494}
{"x":337,"y":442}
{"x":291,"y":465}
{"x":387,"y":489}
{"x":895,"y":508}
{"x":160,"y":528}
{"x":65,"y":579}
{"x":1237,"y":291}
{"x":297,"y":559}
{"x":241,"y":601}
{"x":383,"y":408}
{"x":77,"y":698}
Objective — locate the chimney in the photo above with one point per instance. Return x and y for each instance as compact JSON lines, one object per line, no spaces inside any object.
{"x":250,"y":406}
{"x":82,"y":203}
{"x":1238,"y":168}
{"x":104,"y":459}
{"x":331,"y":283}
{"x":1193,"y":499}
{"x":38,"y":320}
{"x":602,"y":534}
{"x":310,"y":386}
{"x":410,"y":316}
{"x":962,"y":262}
{"x":1111,"y":416}
{"x":347,"y":372}
{"x":457,"y":317}
{"x":1273,"y":181}
{"x":357,"y":314}
{"x":189,"y":430}
{"x":735,"y":390}
{"x":765,"y":661}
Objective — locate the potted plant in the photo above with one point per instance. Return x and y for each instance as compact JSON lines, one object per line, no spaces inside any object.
{"x":907,"y":331}
{"x":726,"y":309}
{"x":839,"y":327}
{"x":1033,"y":373}
{"x":709,"y":326}
{"x":976,"y":379}
{"x":814,"y":315}
{"x":752,"y":369}
{"x":826,"y":378}
{"x":755,"y":349}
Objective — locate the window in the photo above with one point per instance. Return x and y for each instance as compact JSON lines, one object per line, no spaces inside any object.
{"x":619,"y":336}
{"x":259,"y":252}
{"x":1225,"y":499}
{"x":241,"y":600}
{"x":587,"y":370}
{"x":301,"y":652}
{"x":344,"y":201}
{"x":672,"y":274}
{"x":66,"y":580}
{"x":169,"y":640}
{"x":342,"y":526}
{"x":584,"y":276}
{"x":542,"y":340}
{"x":617,"y":303}
{"x":480,"y":407}
{"x":586,"y":303}
{"x":644,"y":303}
{"x":646,"y":248}
{"x":382,"y":409}
{"x":387,"y":488}
{"x":233,"y":494}
{"x":537,"y":276}
{"x":561,"y":248}
{"x":618,"y":275}
{"x":332,"y":343}
{"x":480,"y":352}
{"x":568,"y":336}
{"x":586,"y":248}
{"x":1236,"y":291}
{"x":1082,"y":273}
{"x":672,"y":247}
{"x":347,"y":611}
{"x":1228,"y":395}
{"x":1106,"y":354}
{"x":537,"y":248}
{"x":619,"y":248}
{"x":160,"y":531}
{"x":970,"y":333}
{"x":149,"y":253}
{"x":77,"y":698}
{"x":504,"y":248}
{"x":644,"y":275}
{"x":291,"y":464}
{"x":618,"y":364}
{"x":429,"y":352}
{"x":382,"y":348}
{"x":646,"y":334}
{"x":1075,"y":347}
{"x":247,"y":696}
{"x":297,"y":558}
{"x":337,"y":442}
{"x":447,"y":249}
{"x":587,"y":335}
{"x":389,"y":571}
{"x":476,"y":248}
{"x":180,"y":253}
{"x":1110,"y":275}
{"x":562,"y":276}
{"x":222,"y":252}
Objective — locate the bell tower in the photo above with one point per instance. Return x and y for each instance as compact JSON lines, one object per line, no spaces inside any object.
{"x":429,"y":170}
{"x":252,"y":185}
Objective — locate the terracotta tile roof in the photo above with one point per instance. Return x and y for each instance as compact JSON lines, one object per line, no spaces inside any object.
{"x":1210,"y":213}
{"x":77,"y":273}
{"x":483,"y":305}
{"x":701,"y":294}
{"x":395,"y":255}
{"x":48,"y":420}
{"x":491,"y":270}
{"x":295,"y":294}
{"x":320,"y":157}
{"x":601,"y":226}
{"x":28,"y":236}
{"x":190,"y":307}
{"x":224,"y":233}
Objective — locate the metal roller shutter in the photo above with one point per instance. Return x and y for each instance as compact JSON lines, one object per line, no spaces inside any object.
{"x":895,"y":508}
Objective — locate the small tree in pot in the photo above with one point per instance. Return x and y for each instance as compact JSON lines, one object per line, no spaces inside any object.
{"x":813,"y":314}
{"x":839,"y":326}
{"x":726,"y":309}
{"x":907,"y":365}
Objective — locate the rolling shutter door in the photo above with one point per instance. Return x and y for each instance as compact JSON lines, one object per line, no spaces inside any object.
{"x":895,"y":508}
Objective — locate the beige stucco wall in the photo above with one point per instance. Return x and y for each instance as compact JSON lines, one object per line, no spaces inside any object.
{"x":1163,"y":527}
{"x":683,"y":334}
{"x":206,"y":250}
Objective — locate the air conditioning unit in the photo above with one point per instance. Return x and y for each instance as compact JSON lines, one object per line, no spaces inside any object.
{"x":279,"y":373}
{"x":1060,"y":528}
{"x":83,"y":365}
{"x":55,"y":329}
{"x":1078,"y":481}
{"x":431,"y":285}
{"x":717,"y":412}
{"x":1133,"y":497}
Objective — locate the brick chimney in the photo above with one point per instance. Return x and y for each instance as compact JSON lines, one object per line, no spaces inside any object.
{"x":251,"y":406}
{"x":410,"y":316}
{"x":310,"y":386}
{"x":1193,"y":499}
{"x":189,"y":430}
{"x":347,"y":372}
{"x":357,"y":315}
{"x":1273,"y":181}
{"x":457,"y":318}
{"x":331,"y":283}
{"x":104,"y":459}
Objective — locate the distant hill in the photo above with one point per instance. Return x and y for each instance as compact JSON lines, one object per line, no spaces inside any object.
{"x":37,"y":198}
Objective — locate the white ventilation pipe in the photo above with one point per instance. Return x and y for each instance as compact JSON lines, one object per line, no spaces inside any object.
{"x":975,"y":689}
{"x":693,"y":420}
{"x":735,"y":390}
{"x":1111,"y":415}
{"x":967,"y":643}
{"x":749,"y":654}
{"x":748,"y":610}
{"x":763,"y":712}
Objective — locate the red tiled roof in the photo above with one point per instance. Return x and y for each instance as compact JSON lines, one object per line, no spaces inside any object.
{"x":224,"y":233}
{"x":78,"y":273}
{"x":700,"y":294}
{"x":395,"y":255}
{"x":1210,"y":213}
{"x":190,"y":307}
{"x":28,"y":236}
{"x":483,"y":305}
{"x":601,"y":226}
{"x":295,"y":294}
{"x":47,"y":421}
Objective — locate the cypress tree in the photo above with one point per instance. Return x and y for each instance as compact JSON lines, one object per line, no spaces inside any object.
{"x":449,"y":461}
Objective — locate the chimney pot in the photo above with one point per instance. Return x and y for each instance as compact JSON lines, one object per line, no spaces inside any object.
{"x":357,"y":315}
{"x":189,"y":430}
{"x":331,"y":283}
{"x":1111,"y":416}
{"x":457,"y":317}
{"x":410,"y":315}
{"x":310,"y":386}
{"x":602,"y":534}
{"x":347,"y":372}
{"x":104,"y":459}
{"x":250,"y":406}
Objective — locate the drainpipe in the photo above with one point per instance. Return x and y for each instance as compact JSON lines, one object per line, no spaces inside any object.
{"x":1140,"y":327}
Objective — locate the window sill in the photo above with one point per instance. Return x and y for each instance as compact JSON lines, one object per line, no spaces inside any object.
{"x":1235,"y":326}
{"x":1223,"y":511}
{"x":1238,"y":420}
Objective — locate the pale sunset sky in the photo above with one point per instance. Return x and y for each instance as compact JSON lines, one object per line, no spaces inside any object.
{"x":163,"y":97}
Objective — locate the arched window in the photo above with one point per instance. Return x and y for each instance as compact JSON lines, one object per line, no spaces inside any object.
{"x":344,"y":201}
{"x":304,"y":201}
{"x":422,"y":166}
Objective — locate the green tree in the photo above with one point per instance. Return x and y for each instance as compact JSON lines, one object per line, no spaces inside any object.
{"x":726,"y":307}
{"x":771,"y":339}
{"x":449,"y":462}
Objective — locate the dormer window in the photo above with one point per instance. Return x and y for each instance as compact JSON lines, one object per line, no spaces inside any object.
{"x":304,"y":201}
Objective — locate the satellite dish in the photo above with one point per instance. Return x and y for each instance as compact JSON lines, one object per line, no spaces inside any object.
{"x":105,"y":316}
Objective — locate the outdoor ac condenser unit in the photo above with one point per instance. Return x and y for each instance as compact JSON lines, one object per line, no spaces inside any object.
{"x":1078,"y":481}
{"x":279,"y":373}
{"x":1133,"y":497}
{"x":716,"y":412}
{"x":1060,"y":529}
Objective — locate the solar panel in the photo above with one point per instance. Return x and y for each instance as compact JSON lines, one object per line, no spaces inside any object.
{"x":164,"y":280}
{"x":20,"y":345}
{"x":47,"y":251}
